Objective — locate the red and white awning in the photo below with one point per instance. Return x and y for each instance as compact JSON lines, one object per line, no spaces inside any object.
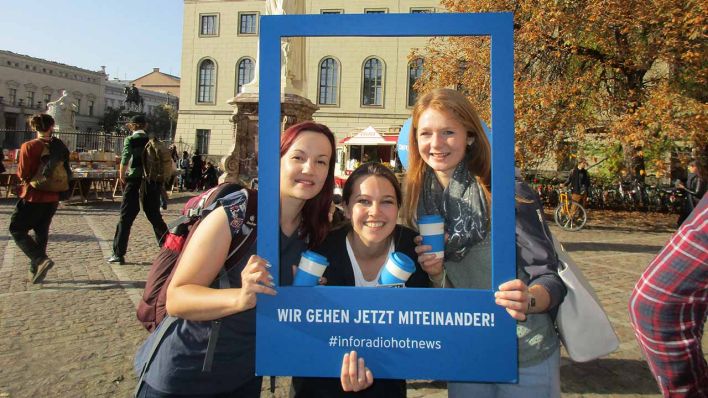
{"x":370,"y":137}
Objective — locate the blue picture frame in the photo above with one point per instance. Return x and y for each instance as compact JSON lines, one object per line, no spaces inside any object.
{"x":457,"y":334}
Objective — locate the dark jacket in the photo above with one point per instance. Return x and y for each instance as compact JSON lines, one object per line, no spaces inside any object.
{"x":579,"y":181}
{"x":339,"y":273}
{"x":695,"y":187}
{"x":535,"y":253}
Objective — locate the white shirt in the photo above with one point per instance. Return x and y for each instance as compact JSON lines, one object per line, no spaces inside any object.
{"x":359,"y":280}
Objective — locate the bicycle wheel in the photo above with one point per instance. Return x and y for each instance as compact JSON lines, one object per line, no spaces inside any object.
{"x":572,"y":219}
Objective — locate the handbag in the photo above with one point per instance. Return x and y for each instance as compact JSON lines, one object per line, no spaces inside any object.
{"x":584,"y":328}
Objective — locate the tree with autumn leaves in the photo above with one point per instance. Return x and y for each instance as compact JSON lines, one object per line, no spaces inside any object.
{"x":630,"y":75}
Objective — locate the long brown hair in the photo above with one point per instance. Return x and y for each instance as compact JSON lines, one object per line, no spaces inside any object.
{"x":454,"y":103}
{"x":315,"y":223}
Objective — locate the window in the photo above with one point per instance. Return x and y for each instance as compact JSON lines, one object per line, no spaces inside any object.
{"x":90,"y":106}
{"x":415,"y":69}
{"x":372,"y":83}
{"x":331,"y":12}
{"x":244,"y":71}
{"x":78,"y":106}
{"x":207,"y":80}
{"x":47,"y":98}
{"x":375,"y":10}
{"x":421,"y":10}
{"x":30,"y":99}
{"x":329,"y":79}
{"x":202,"y":144}
{"x":248,"y":23}
{"x":209,"y":25}
{"x":13,"y":96}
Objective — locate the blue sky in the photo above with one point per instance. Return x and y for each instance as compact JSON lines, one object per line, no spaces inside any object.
{"x":129,"y":37}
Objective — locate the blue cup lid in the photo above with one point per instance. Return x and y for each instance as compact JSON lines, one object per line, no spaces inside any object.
{"x":315,"y":257}
{"x":404,"y":262}
{"x":430,"y":219}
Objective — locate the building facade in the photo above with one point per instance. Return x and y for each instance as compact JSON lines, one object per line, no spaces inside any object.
{"x":356,"y":82}
{"x":28,"y":83}
{"x":159,"y":82}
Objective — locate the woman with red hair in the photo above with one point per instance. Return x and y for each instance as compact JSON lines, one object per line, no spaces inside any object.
{"x":306,"y":186}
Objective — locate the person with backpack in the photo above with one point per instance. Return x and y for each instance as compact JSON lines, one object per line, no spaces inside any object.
{"x":178,"y":365}
{"x":43,"y":168}
{"x":136,"y":190}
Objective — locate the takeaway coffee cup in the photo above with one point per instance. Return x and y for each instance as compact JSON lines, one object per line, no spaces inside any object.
{"x":312,"y":267}
{"x":398,"y":269}
{"x":432,"y":229}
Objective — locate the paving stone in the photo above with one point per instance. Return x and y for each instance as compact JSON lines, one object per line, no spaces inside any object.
{"x":76,"y":333}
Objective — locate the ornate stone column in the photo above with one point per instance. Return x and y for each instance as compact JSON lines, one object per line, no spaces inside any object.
{"x":241,"y":165}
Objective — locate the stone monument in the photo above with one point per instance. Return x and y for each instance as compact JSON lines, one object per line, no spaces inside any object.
{"x":64,"y":113}
{"x":241,"y":165}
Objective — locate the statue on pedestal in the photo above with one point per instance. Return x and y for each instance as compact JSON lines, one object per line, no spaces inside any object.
{"x":133,"y":101}
{"x":64,"y":113}
{"x":291,"y":50}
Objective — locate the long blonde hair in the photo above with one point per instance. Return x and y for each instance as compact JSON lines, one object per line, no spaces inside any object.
{"x":454,"y":103}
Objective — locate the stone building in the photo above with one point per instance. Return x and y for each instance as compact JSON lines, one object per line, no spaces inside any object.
{"x":354,"y":82}
{"x":159,"y":82}
{"x":28,"y":83}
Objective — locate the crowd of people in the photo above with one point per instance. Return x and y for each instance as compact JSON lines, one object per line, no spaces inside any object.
{"x":449,"y":175}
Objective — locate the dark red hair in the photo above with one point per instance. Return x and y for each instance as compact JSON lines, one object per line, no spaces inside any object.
{"x":315,"y":223}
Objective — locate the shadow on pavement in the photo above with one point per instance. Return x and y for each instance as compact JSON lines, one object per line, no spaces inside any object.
{"x":611,"y":247}
{"x":608,"y":376}
{"x":96,"y":284}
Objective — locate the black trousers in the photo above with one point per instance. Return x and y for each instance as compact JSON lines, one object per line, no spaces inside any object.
{"x":133,"y":196}
{"x":32,"y":216}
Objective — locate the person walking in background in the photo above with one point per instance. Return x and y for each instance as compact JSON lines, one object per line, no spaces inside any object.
{"x":195,"y":175}
{"x":35,"y":208}
{"x":183,"y":167}
{"x":579,"y":182}
{"x":694,"y":190}
{"x":136,"y":191}
{"x":449,"y":175}
{"x":668,"y":309}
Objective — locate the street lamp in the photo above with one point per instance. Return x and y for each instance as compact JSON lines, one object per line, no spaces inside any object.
{"x":169,"y":114}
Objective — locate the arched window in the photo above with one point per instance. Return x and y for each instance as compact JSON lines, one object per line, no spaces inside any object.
{"x":329,"y":80}
{"x":244,"y":73}
{"x":372,"y":83}
{"x":415,"y":69}
{"x":207,"y":81}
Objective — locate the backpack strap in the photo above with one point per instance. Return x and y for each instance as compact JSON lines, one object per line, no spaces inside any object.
{"x":165,"y":326}
{"x":241,"y":242}
{"x":215,"y":325}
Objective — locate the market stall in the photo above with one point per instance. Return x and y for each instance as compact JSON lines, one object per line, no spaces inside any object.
{"x":366,"y":146}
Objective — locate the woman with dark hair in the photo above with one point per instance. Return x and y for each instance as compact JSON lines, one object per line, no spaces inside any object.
{"x":306,"y":184}
{"x":357,"y":253}
{"x":36,"y":207}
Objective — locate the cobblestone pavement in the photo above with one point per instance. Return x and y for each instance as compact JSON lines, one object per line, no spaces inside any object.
{"x":75,"y":334}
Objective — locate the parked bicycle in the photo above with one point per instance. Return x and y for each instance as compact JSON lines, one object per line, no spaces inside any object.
{"x":569,"y":215}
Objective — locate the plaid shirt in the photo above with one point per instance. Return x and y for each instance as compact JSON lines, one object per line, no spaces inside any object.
{"x":668,"y":309}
